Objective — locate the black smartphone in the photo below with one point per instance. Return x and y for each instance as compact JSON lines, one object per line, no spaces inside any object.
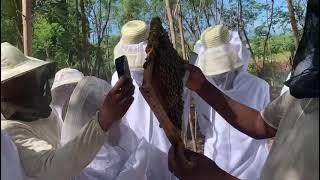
{"x":193,"y":58}
{"x":122,"y":67}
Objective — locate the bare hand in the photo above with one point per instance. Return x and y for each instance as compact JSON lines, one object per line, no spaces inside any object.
{"x":116,"y":103}
{"x":199,"y":167}
{"x":196,"y":77}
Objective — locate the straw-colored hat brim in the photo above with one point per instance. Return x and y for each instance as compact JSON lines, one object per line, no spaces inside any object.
{"x":216,"y":61}
{"x":134,"y":32}
{"x":215,"y":36}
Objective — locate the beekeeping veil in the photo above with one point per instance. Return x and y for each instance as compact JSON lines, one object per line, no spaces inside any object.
{"x":85,"y":101}
{"x":224,"y":62}
{"x":65,"y":81}
{"x":14,"y":64}
{"x":240,"y":48}
{"x":217,"y":56}
{"x":304,"y":80}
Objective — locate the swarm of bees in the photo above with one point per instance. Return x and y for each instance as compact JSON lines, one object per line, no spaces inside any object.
{"x":168,"y":71}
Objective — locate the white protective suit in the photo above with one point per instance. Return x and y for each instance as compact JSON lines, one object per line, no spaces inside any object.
{"x":233,"y":151}
{"x":10,"y":161}
{"x":142,"y":120}
{"x":122,"y":156}
{"x":63,"y":85}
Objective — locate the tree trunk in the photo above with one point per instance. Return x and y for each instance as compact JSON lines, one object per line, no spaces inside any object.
{"x":170,"y":19}
{"x":85,"y":43}
{"x":242,"y":33}
{"x":181,"y":33}
{"x":266,"y":40}
{"x":27,"y":28}
{"x":78,"y":47}
{"x":293,"y":21}
{"x":17,"y":4}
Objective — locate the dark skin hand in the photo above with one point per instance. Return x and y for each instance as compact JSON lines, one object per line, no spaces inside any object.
{"x":199,"y":167}
{"x":116,"y":103}
{"x":247,"y":120}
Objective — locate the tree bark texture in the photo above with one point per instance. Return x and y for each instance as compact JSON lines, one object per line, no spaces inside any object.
{"x":27,"y":27}
{"x":294,"y":24}
{"x":171,"y":26}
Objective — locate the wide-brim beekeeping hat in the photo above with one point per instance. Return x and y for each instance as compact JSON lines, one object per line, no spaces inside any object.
{"x":218,"y":56}
{"x":66,"y":76}
{"x":14,"y":63}
{"x":134,"y":35}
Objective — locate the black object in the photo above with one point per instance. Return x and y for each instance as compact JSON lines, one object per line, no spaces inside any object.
{"x":193,"y":58}
{"x":122,"y":67}
{"x":304,"y":81}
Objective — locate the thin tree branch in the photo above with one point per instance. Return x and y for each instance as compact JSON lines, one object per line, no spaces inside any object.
{"x":268,"y":33}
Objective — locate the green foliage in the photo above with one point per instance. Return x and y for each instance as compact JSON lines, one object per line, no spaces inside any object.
{"x":10,"y":21}
{"x":276,"y":44}
{"x":57,"y":26}
{"x":252,"y":68}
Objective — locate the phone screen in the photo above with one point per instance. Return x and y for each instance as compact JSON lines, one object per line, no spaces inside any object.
{"x":122,"y":66}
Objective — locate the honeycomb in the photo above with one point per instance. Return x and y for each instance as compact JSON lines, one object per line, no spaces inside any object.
{"x":168,"y":71}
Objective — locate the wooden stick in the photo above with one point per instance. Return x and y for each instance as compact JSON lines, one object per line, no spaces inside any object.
{"x":195,"y":128}
{"x":194,"y":145}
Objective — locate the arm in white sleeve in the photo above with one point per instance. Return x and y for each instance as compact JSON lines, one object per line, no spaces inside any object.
{"x":41,"y":160}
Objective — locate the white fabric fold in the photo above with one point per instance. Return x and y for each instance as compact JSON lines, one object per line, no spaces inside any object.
{"x":65,"y":81}
{"x":123,"y":156}
{"x":85,"y":101}
{"x":10,"y":161}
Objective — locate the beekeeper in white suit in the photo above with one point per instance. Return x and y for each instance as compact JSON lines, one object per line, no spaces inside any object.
{"x":65,"y":80}
{"x":122,"y":155}
{"x":223,"y":60}
{"x":140,"y":118}
{"x":33,"y":127}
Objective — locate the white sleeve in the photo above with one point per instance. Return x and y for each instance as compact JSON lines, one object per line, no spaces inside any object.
{"x":41,"y":160}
